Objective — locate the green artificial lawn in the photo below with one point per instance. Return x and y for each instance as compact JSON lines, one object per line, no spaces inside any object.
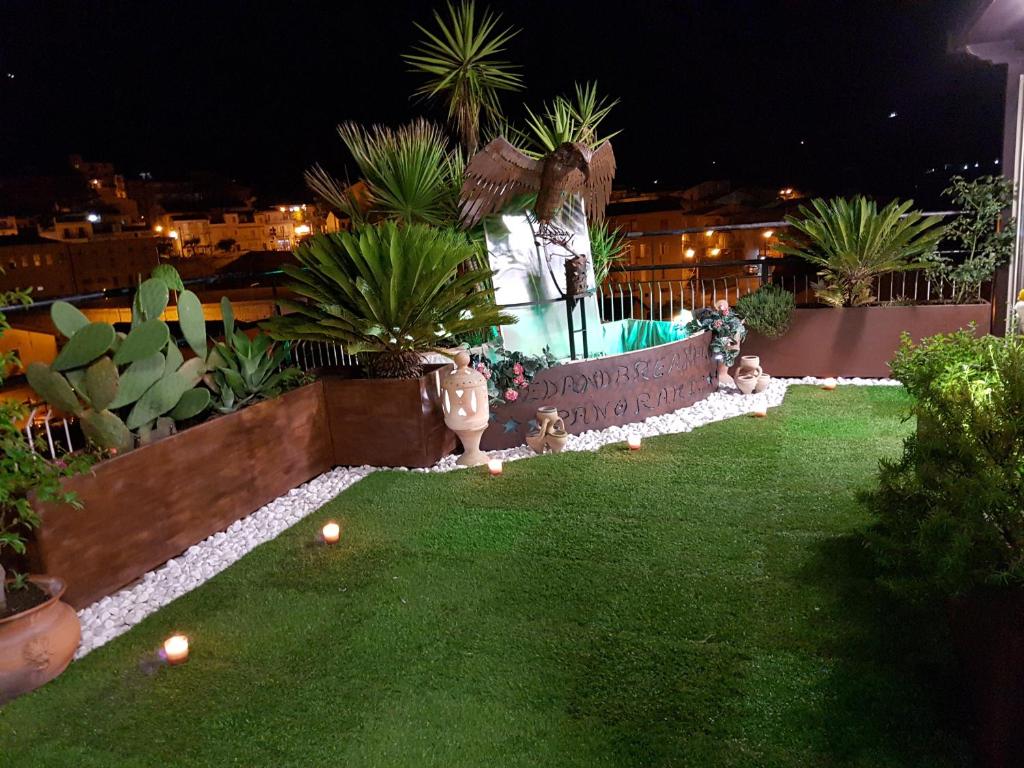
{"x":705,"y":602}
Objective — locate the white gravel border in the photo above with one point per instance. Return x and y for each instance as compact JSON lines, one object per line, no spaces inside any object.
{"x":106,"y":619}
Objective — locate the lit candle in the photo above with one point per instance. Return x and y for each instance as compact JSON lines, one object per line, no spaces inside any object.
{"x":176,"y":649}
{"x":830,"y":384}
{"x":634,"y":442}
{"x":331,"y":533}
{"x":760,"y":411}
{"x":494,"y":467}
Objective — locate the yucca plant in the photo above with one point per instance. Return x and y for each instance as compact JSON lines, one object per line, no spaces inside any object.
{"x":607,"y":247}
{"x":852,"y":241}
{"x":460,"y":60}
{"x":390,"y":293}
{"x":410,"y":174}
{"x":566,"y":119}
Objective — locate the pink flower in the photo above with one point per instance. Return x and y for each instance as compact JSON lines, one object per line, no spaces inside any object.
{"x":717,"y":324}
{"x":481,"y":367}
{"x":517,"y":369}
{"x":520,"y":379}
{"x":511,"y":395}
{"x":487,"y":374}
{"x":524,"y":385}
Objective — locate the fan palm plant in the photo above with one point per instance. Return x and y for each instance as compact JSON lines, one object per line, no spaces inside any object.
{"x":390,"y":292}
{"x":410,"y":175}
{"x":566,"y":119}
{"x":852,"y":241}
{"x":461,"y":65}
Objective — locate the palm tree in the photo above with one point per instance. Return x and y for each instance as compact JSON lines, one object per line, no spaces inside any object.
{"x":460,"y":63}
{"x":853,"y":242}
{"x":411,"y":175}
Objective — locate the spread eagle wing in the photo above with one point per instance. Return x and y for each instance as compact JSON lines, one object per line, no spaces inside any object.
{"x":495,"y":175}
{"x":598,"y":190}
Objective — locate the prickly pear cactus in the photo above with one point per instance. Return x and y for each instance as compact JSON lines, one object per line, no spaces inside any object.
{"x":128,"y":389}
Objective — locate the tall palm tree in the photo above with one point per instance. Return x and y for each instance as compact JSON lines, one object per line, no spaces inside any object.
{"x":461,"y":65}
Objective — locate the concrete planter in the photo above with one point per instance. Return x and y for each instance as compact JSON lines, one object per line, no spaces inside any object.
{"x":144,"y":507}
{"x":857,"y":341}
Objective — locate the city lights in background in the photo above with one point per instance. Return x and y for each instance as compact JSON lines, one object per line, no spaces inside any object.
{"x":689,"y":253}
{"x":768,"y":233}
{"x":709,"y":232}
{"x":158,"y":228}
{"x":302,"y":229}
{"x":715,"y":251}
{"x":93,"y":217}
{"x":173,"y":234}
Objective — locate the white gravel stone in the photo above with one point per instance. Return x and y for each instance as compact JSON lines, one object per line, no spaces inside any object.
{"x":113,"y":615}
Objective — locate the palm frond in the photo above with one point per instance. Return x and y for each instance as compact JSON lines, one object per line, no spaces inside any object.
{"x":461,"y":64}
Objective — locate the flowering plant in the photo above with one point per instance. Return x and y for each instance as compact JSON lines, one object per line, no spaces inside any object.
{"x":727,"y":331}
{"x":509,"y":373}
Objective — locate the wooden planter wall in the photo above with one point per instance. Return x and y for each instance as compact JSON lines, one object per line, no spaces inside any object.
{"x":857,"y":341}
{"x":144,"y":507}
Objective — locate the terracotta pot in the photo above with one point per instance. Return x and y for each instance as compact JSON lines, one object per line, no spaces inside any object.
{"x":536,"y":441}
{"x":750,"y":361}
{"x":37,"y":645}
{"x":557,"y":436}
{"x":762,"y":382}
{"x":987,"y":627}
{"x":746,"y":382}
{"x":546,"y":415}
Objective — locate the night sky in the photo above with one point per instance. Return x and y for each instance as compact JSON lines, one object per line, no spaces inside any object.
{"x":709,"y":88}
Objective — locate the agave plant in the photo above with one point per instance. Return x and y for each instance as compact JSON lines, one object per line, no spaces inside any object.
{"x":853,"y":242}
{"x":606,"y":248}
{"x":461,"y":65}
{"x":410,"y":175}
{"x":244,"y":370}
{"x":574,"y":119}
{"x":389,"y":292}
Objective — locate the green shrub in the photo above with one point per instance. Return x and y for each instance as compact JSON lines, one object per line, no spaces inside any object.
{"x":769,"y":310}
{"x":951,"y":508}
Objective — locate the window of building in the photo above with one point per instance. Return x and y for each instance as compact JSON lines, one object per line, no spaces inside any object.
{"x":36,"y":260}
{"x":49,"y":259}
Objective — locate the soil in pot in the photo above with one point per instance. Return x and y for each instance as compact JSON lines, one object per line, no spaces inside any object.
{"x":23,"y":599}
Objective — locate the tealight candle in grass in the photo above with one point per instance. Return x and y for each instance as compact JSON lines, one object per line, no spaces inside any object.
{"x":829,"y":384}
{"x":176,"y":649}
{"x":494,"y":466}
{"x":331,"y":533}
{"x":634,"y":442}
{"x":760,"y":411}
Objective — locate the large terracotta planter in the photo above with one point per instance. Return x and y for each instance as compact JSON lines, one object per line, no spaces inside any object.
{"x":857,"y":341}
{"x":609,"y":391}
{"x":37,"y":645}
{"x":988,"y":634}
{"x":146,"y":506}
{"x":387,"y":422}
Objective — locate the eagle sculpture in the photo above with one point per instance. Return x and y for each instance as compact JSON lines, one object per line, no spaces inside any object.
{"x":499,"y":172}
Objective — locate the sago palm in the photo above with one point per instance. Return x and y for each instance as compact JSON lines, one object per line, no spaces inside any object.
{"x":410,"y":174}
{"x":607,"y":246}
{"x":852,"y":241}
{"x":460,"y":60}
{"x":388,"y":292}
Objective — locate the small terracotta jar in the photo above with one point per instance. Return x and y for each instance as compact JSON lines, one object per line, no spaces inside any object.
{"x":37,"y":645}
{"x":557,"y":436}
{"x":762,"y":382}
{"x":746,"y":382}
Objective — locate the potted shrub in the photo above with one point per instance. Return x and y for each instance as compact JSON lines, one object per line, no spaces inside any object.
{"x":853,"y":243}
{"x":388,"y":294}
{"x":767,"y":311}
{"x":951,"y":516}
{"x":38,"y":632}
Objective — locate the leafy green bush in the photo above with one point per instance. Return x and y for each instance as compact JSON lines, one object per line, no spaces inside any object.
{"x":769,"y":310}
{"x":951,"y":508}
{"x":977,"y":232}
{"x":22,"y":469}
{"x":390,"y":292}
{"x":607,"y":246}
{"x":852,"y":241}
